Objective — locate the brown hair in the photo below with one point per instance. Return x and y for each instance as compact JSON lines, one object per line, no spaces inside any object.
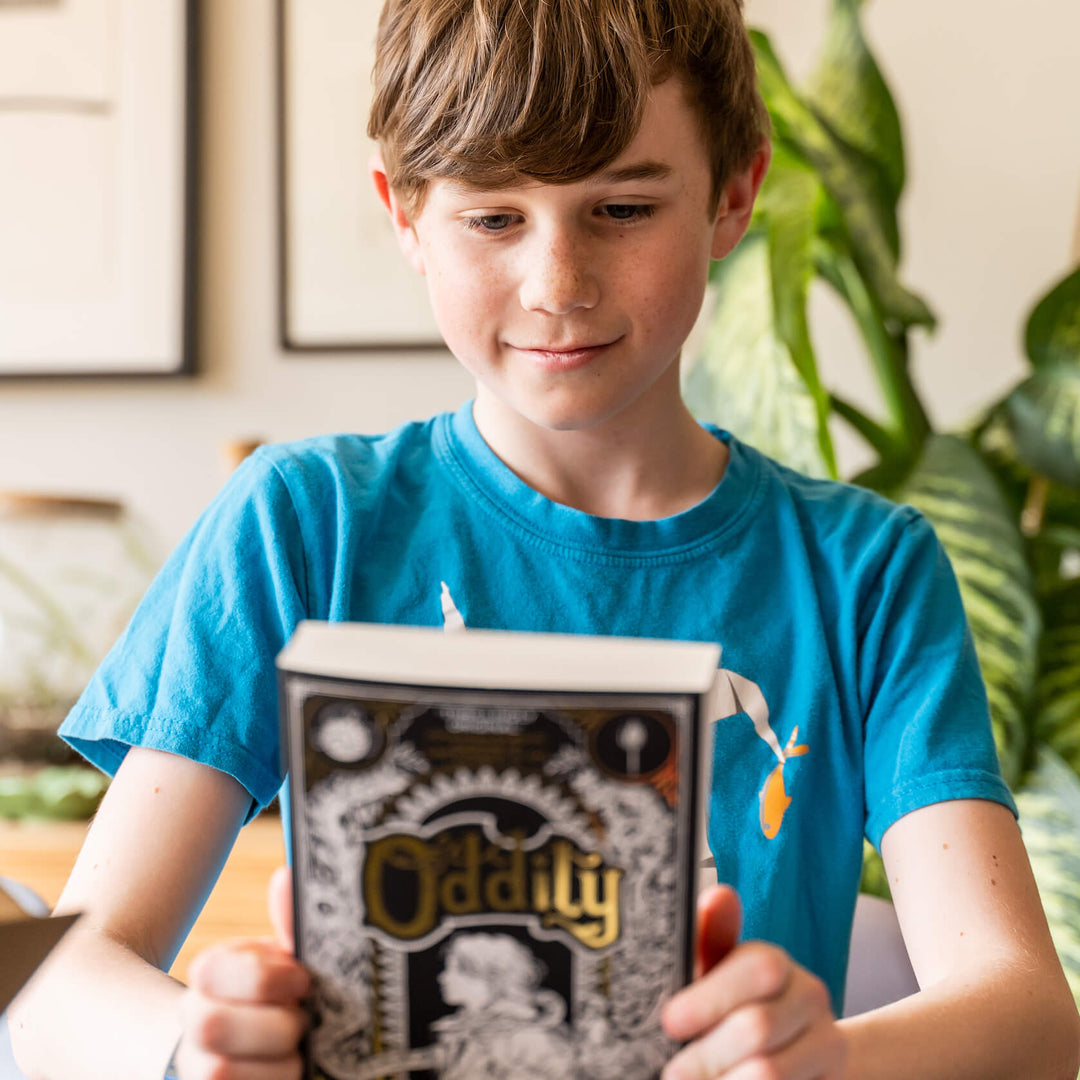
{"x":487,"y":92}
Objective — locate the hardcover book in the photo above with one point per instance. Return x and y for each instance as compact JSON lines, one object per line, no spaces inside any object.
{"x":495,"y":841}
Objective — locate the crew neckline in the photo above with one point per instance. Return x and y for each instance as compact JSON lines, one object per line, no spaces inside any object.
{"x":704,"y":525}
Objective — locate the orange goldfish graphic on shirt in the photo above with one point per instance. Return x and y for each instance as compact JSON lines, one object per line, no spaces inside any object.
{"x":773,"y":799}
{"x":739,"y":695}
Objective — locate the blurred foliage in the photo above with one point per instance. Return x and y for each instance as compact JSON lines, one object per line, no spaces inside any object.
{"x":57,"y":793}
{"x":1002,"y":495}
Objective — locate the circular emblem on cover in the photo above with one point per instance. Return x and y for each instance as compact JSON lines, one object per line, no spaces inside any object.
{"x":632,"y":745}
{"x":345,"y":732}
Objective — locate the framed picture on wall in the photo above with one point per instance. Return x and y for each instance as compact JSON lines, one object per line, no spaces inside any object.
{"x":344,"y":284}
{"x":98,"y":136}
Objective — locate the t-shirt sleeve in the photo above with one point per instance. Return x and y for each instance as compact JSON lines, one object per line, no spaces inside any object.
{"x":193,"y":673}
{"x":927,"y":723}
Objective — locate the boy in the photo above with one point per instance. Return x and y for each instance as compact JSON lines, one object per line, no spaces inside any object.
{"x":562,"y":171}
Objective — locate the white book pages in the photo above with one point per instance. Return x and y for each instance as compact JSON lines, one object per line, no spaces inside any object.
{"x":501,"y":660}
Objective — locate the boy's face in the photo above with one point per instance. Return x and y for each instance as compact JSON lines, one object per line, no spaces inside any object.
{"x":569,"y":303}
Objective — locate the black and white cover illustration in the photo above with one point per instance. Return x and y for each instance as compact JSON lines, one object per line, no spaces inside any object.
{"x":490,"y":884}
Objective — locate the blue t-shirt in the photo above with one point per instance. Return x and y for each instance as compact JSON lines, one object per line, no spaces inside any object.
{"x":837,"y":612}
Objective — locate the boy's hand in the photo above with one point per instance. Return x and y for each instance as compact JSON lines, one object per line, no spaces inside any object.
{"x":241,"y":1012}
{"x":753,"y":1013}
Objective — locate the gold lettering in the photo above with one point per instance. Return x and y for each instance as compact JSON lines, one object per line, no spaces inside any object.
{"x":411,"y":854}
{"x":562,"y":874}
{"x":583,"y":932}
{"x":459,"y":873}
{"x":541,"y":882}
{"x":460,"y":893}
{"x":606,"y":909}
{"x":504,"y":890}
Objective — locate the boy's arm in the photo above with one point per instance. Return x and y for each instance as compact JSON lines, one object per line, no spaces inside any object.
{"x":993,"y":1000}
{"x":993,"y":1004}
{"x":101,"y":1007}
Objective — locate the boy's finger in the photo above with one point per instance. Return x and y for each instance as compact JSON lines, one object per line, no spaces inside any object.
{"x":819,"y":1054}
{"x":758,"y":1029}
{"x":241,"y":1031}
{"x":195,"y":1064}
{"x":257,"y":972}
{"x":280,"y":905}
{"x":719,"y":920}
{"x":751,"y":972}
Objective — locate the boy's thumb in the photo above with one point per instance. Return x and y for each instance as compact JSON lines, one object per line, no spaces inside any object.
{"x":719,"y":921}
{"x":280,"y":905}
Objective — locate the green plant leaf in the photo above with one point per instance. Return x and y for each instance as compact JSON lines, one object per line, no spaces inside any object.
{"x":744,"y":378}
{"x":878,"y":437}
{"x":908,"y":424}
{"x":1053,"y":330}
{"x":957,"y":492}
{"x":790,"y":199}
{"x":998,"y":445}
{"x":1049,"y":804}
{"x":1044,"y":414}
{"x":1044,"y":411}
{"x":874,"y":880}
{"x":1057,"y":720}
{"x":849,"y":95}
{"x":855,"y":183}
{"x":58,"y":793}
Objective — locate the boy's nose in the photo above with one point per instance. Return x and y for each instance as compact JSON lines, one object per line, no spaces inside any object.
{"x":557,"y":278}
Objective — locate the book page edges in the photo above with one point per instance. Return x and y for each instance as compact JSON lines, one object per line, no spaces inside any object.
{"x":500,"y":660}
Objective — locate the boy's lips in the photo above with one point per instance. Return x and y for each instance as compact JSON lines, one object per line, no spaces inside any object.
{"x":563,"y":357}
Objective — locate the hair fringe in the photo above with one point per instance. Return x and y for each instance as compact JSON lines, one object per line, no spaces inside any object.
{"x":487,"y":92}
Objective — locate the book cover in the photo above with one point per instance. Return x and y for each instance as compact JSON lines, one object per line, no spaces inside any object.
{"x":495,"y":847}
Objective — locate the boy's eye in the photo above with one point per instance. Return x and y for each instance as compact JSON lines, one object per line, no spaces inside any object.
{"x":489,"y":222}
{"x":628,"y":211}
{"x":621,"y":212}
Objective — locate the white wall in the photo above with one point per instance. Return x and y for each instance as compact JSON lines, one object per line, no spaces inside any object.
{"x":157,"y":445}
{"x":988,"y":89}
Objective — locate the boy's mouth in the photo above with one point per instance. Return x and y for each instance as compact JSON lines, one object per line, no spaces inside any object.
{"x":563,"y":357}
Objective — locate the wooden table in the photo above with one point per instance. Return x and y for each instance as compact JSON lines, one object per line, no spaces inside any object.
{"x":41,"y":855}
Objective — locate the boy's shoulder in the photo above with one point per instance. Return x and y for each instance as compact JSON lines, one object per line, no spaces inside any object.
{"x":825,"y":497}
{"x":346,"y":461}
{"x":309,"y":480}
{"x":835,"y":514}
{"x":345,"y":449}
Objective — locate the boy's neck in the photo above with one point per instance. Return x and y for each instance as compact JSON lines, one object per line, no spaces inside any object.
{"x":647,"y":463}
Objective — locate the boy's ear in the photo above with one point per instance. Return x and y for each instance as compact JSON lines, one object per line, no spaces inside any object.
{"x":403,"y":229}
{"x":737,"y":203}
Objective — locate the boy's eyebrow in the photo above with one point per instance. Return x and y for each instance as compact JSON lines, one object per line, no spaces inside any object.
{"x":640,"y":170}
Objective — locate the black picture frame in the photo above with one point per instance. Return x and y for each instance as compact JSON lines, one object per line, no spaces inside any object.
{"x":179,"y":225}
{"x":305,"y":334}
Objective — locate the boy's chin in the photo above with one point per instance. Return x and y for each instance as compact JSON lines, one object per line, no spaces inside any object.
{"x":600,"y":396}
{"x":561,"y":416}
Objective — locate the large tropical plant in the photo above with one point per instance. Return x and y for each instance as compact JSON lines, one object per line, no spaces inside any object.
{"x":1003,"y":494}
